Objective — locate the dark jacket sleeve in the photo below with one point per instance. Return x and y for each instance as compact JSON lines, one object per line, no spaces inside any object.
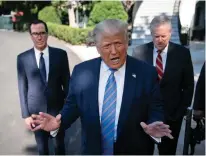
{"x":65,"y":78}
{"x":23,"y":88}
{"x":70,"y":111}
{"x":187,"y":84}
{"x":188,"y":80}
{"x":199,"y":100}
{"x":137,"y":52}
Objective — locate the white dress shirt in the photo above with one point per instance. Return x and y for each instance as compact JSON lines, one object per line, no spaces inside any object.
{"x":46,"y":59}
{"x":163,"y":54}
{"x":119,"y":77}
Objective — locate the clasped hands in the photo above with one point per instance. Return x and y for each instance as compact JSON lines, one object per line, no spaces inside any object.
{"x":49,"y":123}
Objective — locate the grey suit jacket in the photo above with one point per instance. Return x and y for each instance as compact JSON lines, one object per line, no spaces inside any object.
{"x":36,"y":95}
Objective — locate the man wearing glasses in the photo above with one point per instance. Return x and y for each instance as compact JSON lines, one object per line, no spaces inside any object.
{"x":43,"y":77}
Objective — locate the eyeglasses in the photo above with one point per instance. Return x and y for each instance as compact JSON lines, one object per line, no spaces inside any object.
{"x":36,"y":34}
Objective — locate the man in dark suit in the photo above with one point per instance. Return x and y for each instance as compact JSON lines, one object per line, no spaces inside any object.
{"x":116,"y":97}
{"x":199,"y":100}
{"x":175,"y":75}
{"x":43,"y":76}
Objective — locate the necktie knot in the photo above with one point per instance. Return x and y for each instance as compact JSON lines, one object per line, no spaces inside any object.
{"x":112,"y":70}
{"x":41,"y":54}
{"x":159,"y":51}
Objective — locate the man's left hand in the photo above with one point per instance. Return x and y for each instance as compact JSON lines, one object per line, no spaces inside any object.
{"x":157,"y":129}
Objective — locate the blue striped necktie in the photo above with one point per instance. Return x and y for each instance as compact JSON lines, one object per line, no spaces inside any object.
{"x":108,"y":115}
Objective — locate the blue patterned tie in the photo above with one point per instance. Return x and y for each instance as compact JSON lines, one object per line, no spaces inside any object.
{"x":108,"y":115}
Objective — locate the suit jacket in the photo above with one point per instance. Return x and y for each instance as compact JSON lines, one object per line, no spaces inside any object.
{"x":35,"y":95}
{"x":199,"y":100}
{"x":141,"y":101}
{"x":177,"y":83}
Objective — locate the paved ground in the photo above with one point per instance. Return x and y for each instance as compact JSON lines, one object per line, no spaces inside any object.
{"x":14,"y":138}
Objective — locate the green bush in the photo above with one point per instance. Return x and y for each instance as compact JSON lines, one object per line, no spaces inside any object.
{"x":74,"y":36}
{"x":49,"y":14}
{"x":107,"y":10}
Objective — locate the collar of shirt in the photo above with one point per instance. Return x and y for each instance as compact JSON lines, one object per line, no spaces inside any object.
{"x":45,"y":51}
{"x":105,"y":68}
{"x":164,"y":51}
{"x":45,"y":56}
{"x":163,"y":54}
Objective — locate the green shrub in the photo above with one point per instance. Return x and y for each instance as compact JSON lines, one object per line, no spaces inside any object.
{"x":74,"y":36}
{"x":107,"y":10}
{"x":49,"y":14}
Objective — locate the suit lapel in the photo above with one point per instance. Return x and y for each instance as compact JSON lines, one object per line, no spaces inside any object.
{"x":128,"y":94}
{"x":94,"y":102}
{"x":168,"y":63}
{"x":33,"y":60}
{"x":33,"y":63}
{"x":51,"y":63}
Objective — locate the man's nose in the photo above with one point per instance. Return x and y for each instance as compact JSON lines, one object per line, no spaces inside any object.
{"x":160,"y":39}
{"x":39,"y":37}
{"x":113,"y":49}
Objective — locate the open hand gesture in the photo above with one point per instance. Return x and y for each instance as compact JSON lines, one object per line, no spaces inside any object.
{"x":157,"y":129}
{"x":46,"y":122}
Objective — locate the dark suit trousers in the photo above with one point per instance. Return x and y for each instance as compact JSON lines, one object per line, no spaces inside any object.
{"x":42,"y":140}
{"x":168,"y":146}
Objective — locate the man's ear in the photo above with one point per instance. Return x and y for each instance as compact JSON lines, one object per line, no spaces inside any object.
{"x":98,"y":50}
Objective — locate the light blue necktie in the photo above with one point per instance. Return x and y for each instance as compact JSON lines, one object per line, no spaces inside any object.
{"x":108,"y":115}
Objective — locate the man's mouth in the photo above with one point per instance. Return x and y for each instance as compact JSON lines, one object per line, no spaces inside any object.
{"x":115,"y":60}
{"x":161,"y":44}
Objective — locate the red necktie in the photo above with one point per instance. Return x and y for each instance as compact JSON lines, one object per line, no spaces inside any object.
{"x":159,"y":65}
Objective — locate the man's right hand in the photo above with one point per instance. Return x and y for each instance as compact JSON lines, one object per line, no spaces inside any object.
{"x":198,"y":114}
{"x":157,"y":129}
{"x":29,"y":123}
{"x":46,"y":122}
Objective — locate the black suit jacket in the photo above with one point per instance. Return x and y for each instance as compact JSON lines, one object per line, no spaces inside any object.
{"x":177,"y":83}
{"x":199,"y":100}
{"x":35,"y":95}
{"x":141,"y":101}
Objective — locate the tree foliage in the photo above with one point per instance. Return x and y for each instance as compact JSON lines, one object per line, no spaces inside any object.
{"x":49,"y":14}
{"x":28,"y":7}
{"x":30,"y":10}
{"x":71,"y":35}
{"x":107,"y":10}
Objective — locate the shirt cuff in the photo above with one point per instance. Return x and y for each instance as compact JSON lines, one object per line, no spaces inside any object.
{"x":54,"y":133}
{"x":158,"y":140}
